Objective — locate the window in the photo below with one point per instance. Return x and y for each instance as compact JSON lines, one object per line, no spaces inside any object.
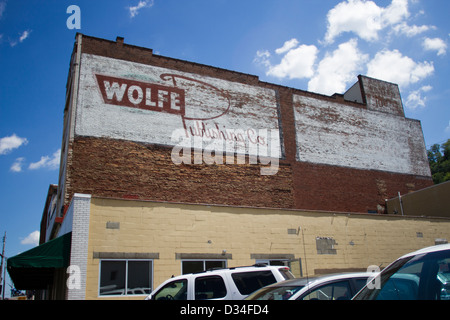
{"x":275,"y":293}
{"x":248,"y":282}
{"x":125,"y":277}
{"x":212,"y":287}
{"x":274,"y":262}
{"x":332,"y":291}
{"x":193,"y":266}
{"x":175,"y":290}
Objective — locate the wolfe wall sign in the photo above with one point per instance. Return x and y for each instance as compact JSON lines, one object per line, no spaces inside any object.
{"x":141,"y":95}
{"x":124,"y":100}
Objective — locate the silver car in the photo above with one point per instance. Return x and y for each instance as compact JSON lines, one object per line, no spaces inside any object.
{"x":327,"y":287}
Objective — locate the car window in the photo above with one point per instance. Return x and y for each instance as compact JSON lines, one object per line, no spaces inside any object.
{"x":423,"y":277}
{"x":333,"y":291}
{"x":175,"y":290}
{"x":211,"y":287}
{"x":248,"y":282}
{"x":444,"y":279}
{"x":418,"y":279}
{"x":286,"y":273}
{"x":276,"y":293}
{"x":360,"y":283}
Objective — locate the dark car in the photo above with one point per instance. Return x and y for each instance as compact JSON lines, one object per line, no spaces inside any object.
{"x":420,"y":275}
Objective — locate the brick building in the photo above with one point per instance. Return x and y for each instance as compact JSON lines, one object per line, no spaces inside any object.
{"x":169,"y":165}
{"x":346,"y":152}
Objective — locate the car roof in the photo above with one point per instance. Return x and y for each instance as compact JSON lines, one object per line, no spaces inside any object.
{"x":439,"y":247}
{"x":321,"y":278}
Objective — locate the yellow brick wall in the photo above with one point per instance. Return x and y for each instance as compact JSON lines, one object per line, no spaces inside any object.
{"x":167,"y":229}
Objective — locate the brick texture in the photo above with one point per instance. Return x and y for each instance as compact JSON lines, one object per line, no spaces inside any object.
{"x":130,"y":170}
{"x":80,"y":237}
{"x":123,"y":169}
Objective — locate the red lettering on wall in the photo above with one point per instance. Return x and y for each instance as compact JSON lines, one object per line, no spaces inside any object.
{"x":141,"y":95}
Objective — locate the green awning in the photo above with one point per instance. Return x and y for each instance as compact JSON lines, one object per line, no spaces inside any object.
{"x":33,"y":269}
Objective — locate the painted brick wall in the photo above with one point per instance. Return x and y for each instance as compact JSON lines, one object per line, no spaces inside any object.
{"x":111,"y":164}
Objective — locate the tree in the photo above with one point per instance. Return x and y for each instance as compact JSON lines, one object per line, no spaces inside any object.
{"x":439,"y":160}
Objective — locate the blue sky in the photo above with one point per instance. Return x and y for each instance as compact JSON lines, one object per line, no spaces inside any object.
{"x":319,"y":46}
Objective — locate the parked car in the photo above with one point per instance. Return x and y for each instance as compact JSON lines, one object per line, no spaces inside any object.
{"x":220,"y":284}
{"x":420,"y":275}
{"x":327,"y":287}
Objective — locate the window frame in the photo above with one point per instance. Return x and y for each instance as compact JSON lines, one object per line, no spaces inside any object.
{"x":285,"y":262}
{"x":125,"y":294}
{"x":225,"y":261}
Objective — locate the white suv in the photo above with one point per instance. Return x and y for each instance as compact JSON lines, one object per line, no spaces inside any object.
{"x":220,"y":284}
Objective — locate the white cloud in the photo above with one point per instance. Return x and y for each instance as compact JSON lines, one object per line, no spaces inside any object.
{"x":333,"y":72}
{"x":337,"y":69}
{"x":32,"y":238}
{"x":415,"y":99}
{"x":142,"y":4}
{"x":411,"y":31}
{"x":10,"y":143}
{"x":17,"y":165}
{"x":364,"y":18}
{"x":435,"y":44}
{"x":394,"y":67}
{"x":297,"y":63}
{"x":395,"y":12}
{"x":288,"y":45}
{"x":47,"y":162}
{"x":262,"y":58}
{"x":24,"y":35}
{"x":357,"y":16}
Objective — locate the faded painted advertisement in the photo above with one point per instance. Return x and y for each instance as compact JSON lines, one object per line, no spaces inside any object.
{"x":131,"y":101}
{"x":336,"y":134}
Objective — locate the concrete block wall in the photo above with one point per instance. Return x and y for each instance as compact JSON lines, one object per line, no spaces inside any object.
{"x":167,"y":232}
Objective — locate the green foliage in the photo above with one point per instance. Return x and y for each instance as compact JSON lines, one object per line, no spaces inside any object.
{"x":439,"y":159}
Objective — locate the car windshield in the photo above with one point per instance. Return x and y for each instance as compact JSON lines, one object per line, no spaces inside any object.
{"x":175,"y":290}
{"x":274,"y":293}
{"x":286,"y":273}
{"x":422,"y":277}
